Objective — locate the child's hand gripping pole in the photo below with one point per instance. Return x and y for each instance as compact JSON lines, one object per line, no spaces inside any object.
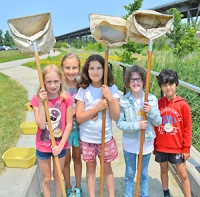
{"x":48,"y":118}
{"x":144,"y":118}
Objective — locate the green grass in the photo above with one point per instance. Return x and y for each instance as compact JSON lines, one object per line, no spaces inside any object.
{"x":188,"y":71}
{"x":83,"y":54}
{"x":11,"y":55}
{"x":44,"y":62}
{"x":13,"y":112}
{"x":57,"y":59}
{"x":13,"y":96}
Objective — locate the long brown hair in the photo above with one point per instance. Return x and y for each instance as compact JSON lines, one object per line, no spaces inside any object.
{"x":85,"y":80}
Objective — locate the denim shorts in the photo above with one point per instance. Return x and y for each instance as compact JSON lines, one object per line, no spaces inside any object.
{"x":45,"y":155}
{"x":171,"y":157}
{"x":74,"y":138}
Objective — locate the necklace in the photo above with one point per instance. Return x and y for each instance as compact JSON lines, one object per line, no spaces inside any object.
{"x":169,"y":127}
{"x":139,"y":105}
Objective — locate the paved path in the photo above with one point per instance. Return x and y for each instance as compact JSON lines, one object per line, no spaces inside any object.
{"x":12,"y":181}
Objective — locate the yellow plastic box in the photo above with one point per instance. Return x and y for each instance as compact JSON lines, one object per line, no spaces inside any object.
{"x":29,"y":128}
{"x":19,"y":157}
{"x":28,"y":107}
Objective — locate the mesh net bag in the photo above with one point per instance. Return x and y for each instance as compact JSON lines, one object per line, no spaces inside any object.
{"x":145,"y":25}
{"x":26,"y":30}
{"x":108,"y":30}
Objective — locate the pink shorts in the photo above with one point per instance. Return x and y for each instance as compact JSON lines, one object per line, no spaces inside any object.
{"x":90,"y":151}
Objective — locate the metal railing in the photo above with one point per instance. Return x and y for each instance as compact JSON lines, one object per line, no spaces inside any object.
{"x":188,"y":91}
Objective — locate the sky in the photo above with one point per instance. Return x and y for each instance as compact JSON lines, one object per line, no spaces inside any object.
{"x":67,"y":16}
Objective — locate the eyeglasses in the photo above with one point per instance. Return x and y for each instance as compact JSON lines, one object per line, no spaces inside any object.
{"x":135,"y":79}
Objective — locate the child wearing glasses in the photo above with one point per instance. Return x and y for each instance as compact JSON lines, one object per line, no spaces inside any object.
{"x":174,"y":135}
{"x":92,"y":98}
{"x":132,"y":108}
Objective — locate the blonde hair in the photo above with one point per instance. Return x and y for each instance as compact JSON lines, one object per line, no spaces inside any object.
{"x":71,"y":56}
{"x":53,"y":68}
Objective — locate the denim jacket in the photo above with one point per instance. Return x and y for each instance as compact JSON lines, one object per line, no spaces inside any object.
{"x":128,"y":121}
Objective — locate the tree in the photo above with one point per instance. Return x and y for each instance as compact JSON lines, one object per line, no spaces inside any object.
{"x":1,"y":37}
{"x":131,"y":47}
{"x":182,"y":36}
{"x":8,"y":39}
{"x":160,"y":43}
{"x":132,"y":7}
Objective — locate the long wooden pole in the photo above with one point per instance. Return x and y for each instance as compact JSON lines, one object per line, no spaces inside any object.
{"x":48,"y":118}
{"x":103,"y":128}
{"x":137,"y":190}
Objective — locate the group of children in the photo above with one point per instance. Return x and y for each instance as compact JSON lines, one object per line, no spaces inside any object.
{"x":75,"y":105}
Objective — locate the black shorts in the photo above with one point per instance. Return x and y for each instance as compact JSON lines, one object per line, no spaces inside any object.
{"x":171,"y":157}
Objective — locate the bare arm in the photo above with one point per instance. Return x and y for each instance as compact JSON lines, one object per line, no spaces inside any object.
{"x":113,"y":103}
{"x":39,"y":112}
{"x":114,"y":109}
{"x":69,"y":116}
{"x":83,"y":116}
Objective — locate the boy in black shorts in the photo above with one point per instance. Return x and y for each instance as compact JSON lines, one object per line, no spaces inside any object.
{"x":173,"y":136}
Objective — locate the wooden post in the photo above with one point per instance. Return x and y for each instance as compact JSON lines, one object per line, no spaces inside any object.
{"x":48,"y":117}
{"x":103,"y":128}
{"x":137,"y":190}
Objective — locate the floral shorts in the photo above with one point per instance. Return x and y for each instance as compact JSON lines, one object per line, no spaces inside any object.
{"x":90,"y":151}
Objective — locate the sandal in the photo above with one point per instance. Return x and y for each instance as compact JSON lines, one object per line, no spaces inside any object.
{"x":69,"y":192}
{"x":78,"y":192}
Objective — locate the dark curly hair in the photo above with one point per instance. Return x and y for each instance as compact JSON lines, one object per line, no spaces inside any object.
{"x":167,"y":76}
{"x":85,"y":80}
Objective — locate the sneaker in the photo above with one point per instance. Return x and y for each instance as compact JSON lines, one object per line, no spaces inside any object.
{"x":167,"y":193}
{"x":69,"y":192}
{"x":78,"y":192}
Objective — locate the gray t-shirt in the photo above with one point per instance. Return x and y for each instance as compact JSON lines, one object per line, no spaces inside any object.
{"x":72,"y":92}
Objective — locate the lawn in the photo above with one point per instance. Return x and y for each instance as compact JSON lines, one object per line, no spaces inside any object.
{"x":13,"y":112}
{"x":14,"y":96}
{"x":11,"y":55}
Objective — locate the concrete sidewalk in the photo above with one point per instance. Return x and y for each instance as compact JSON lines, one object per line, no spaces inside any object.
{"x":26,"y":182}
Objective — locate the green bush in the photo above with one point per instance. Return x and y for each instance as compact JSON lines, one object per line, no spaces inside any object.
{"x":64,"y":44}
{"x":188,"y":70}
{"x":95,"y":46}
{"x":58,"y":45}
